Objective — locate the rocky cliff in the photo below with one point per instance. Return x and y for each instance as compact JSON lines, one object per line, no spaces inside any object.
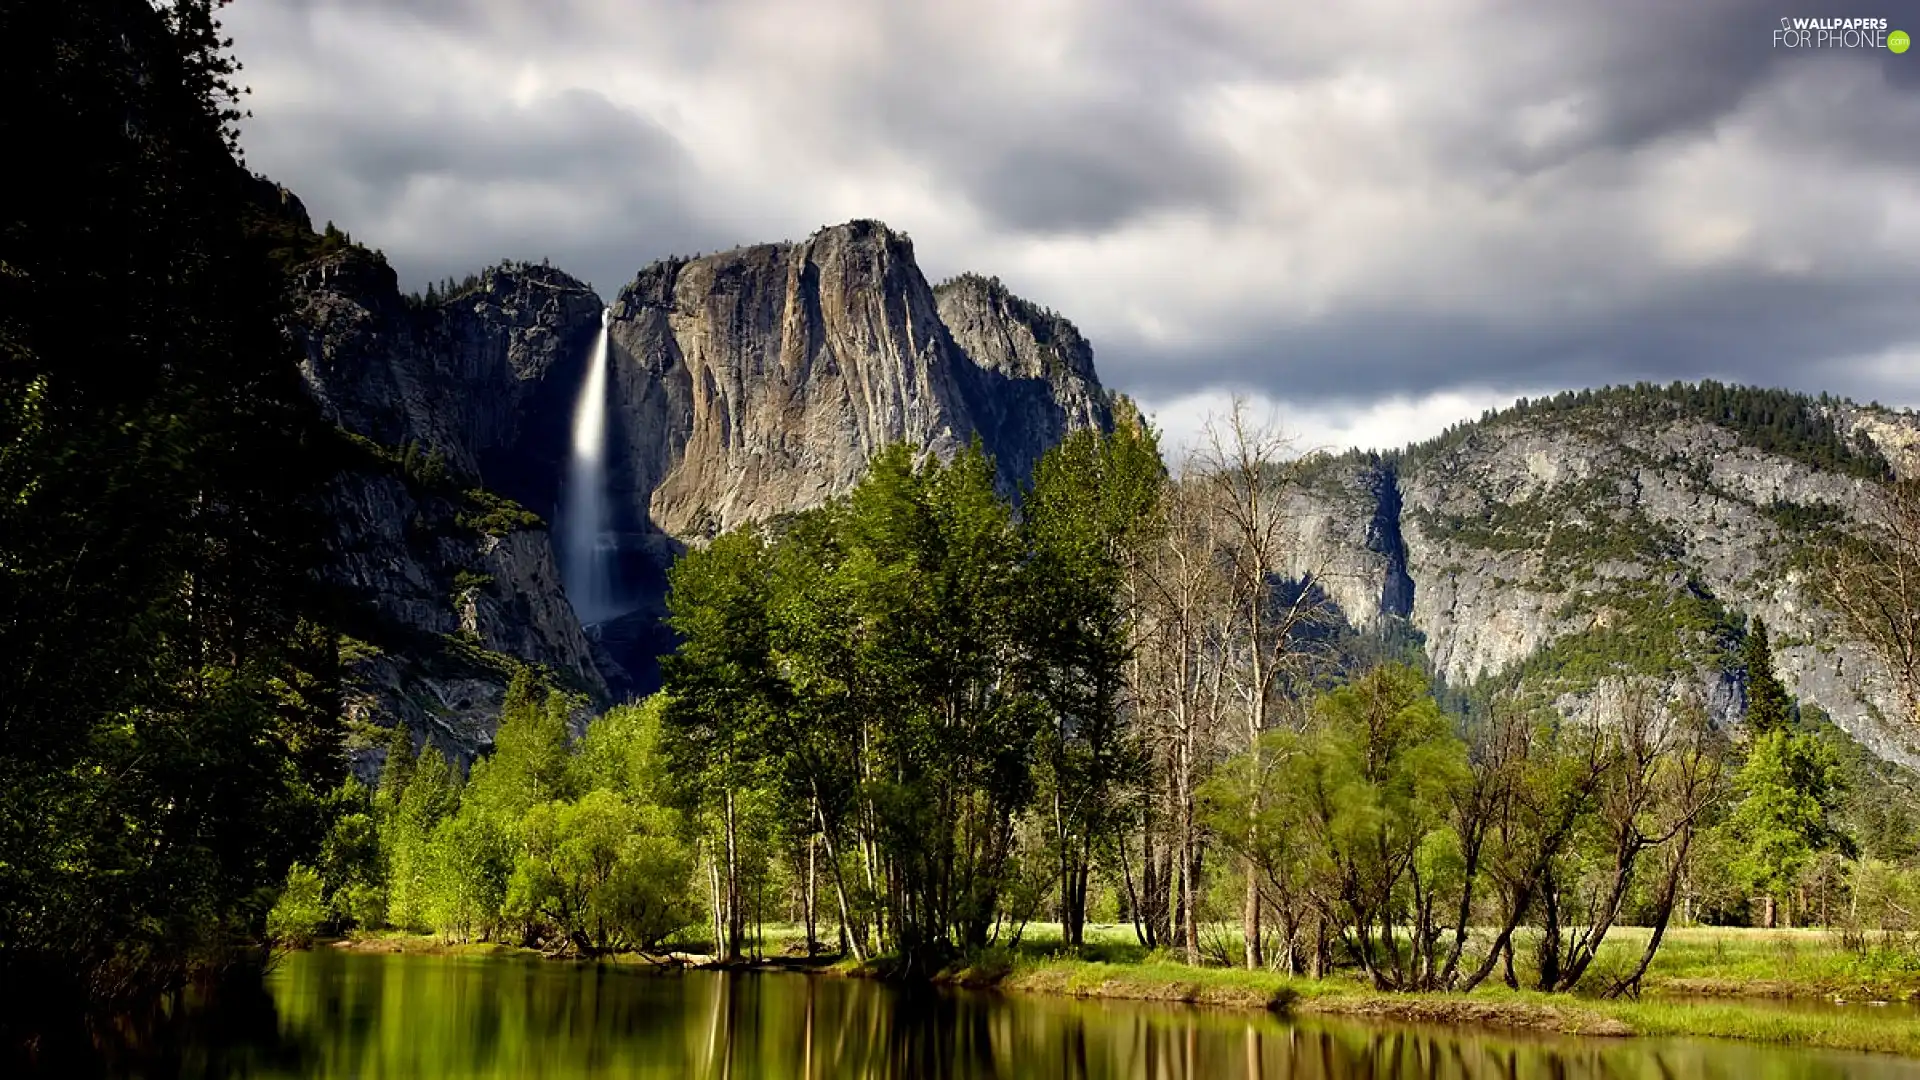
{"x":1546,"y":544}
{"x":1534,"y":549}
{"x":447,"y":583}
{"x":743,"y":385}
{"x":759,"y":381}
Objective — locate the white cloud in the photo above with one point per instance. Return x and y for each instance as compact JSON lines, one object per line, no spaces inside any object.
{"x":1311,"y":427}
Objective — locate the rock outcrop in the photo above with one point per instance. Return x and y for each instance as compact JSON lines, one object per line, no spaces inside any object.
{"x":438,"y":400}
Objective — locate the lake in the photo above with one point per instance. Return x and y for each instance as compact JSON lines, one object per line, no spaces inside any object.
{"x":335,"y":1014}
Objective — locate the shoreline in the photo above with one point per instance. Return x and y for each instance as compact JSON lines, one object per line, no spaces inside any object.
{"x":1769,"y":1014}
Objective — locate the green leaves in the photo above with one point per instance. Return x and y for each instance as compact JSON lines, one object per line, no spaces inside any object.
{"x":1789,"y":786}
{"x":1355,"y":812}
{"x":887,"y":663}
{"x":602,"y":871}
{"x":1769,"y":708}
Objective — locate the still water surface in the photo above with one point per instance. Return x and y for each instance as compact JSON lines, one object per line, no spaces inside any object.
{"x":332,"y":1014}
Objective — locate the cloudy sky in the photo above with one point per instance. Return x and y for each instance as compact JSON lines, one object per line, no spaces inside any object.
{"x":1376,"y":217}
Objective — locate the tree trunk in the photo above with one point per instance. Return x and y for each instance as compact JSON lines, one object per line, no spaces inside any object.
{"x":1669,"y":890}
{"x":813,"y":936}
{"x":1250,"y":920}
{"x":1143,"y":928}
{"x":736,"y":922}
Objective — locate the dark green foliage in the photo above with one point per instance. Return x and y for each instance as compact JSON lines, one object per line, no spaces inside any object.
{"x":1769,"y":709}
{"x":1089,"y":517}
{"x":495,"y":515}
{"x":1789,"y":788}
{"x":167,"y":704}
{"x":289,"y":239}
{"x":1800,"y":519}
{"x":1875,"y":812}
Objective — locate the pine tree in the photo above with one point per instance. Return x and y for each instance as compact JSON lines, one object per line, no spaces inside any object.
{"x":1769,"y":709}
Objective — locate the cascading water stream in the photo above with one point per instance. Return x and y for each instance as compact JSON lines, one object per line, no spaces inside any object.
{"x":587,"y":551}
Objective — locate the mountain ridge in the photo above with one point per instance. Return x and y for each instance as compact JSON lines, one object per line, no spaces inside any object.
{"x":1619,"y":525}
{"x":1547,"y":547}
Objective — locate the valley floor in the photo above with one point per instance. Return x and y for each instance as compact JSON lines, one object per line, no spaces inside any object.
{"x":1789,"y":987}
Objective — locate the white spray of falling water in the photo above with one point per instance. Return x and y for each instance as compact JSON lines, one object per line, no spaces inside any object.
{"x":587,"y":545}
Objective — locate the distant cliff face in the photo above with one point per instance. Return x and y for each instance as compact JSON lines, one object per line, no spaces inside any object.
{"x":744,"y":385}
{"x":1540,"y":545}
{"x":1031,"y":379}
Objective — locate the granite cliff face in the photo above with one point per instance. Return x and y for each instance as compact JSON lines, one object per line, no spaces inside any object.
{"x":743,"y":385}
{"x":759,"y":381}
{"x":1536,"y":543}
{"x":1031,"y":379}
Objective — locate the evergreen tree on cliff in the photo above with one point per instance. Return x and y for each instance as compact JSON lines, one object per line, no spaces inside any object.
{"x":1769,"y":708}
{"x":166,"y":701}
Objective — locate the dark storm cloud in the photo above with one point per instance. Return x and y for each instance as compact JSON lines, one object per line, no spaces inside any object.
{"x":1320,"y":205}
{"x":429,"y":186}
{"x":1756,"y":330}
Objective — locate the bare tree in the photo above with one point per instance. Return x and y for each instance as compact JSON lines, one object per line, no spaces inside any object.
{"x":1662,"y":776}
{"x":1178,"y":675}
{"x":1873,"y":577}
{"x":1244,"y":467}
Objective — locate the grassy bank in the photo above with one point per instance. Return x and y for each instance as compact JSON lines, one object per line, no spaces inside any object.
{"x":1768,"y":1021}
{"x":1693,"y":962}
{"x":1770,"y":986}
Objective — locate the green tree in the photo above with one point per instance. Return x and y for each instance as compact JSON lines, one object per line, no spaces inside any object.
{"x":469,"y":857}
{"x":431,"y":795}
{"x":1356,"y":811}
{"x":301,"y":911}
{"x":1788,"y":787}
{"x":530,"y":762}
{"x":722,"y":695}
{"x":1769,"y":709}
{"x":1086,"y":523}
{"x":622,"y":753}
{"x":604,"y":874}
{"x":350,"y":863}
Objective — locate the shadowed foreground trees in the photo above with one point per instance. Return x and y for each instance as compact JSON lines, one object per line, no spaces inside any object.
{"x":166,"y":699}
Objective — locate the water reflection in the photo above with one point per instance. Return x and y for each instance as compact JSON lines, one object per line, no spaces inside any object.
{"x":342,"y":1015}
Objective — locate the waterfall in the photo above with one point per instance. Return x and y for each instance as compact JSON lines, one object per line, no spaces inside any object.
{"x":587,"y":545}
